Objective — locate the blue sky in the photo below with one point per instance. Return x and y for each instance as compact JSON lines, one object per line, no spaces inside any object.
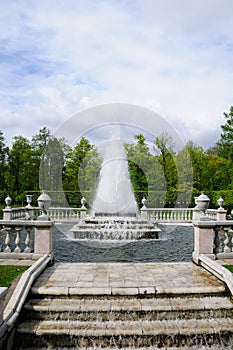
{"x":59,"y":57}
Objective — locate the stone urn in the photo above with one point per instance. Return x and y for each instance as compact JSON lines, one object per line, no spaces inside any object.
{"x":8,"y":201}
{"x":44,"y":202}
{"x":144,"y":200}
{"x":202,"y":202}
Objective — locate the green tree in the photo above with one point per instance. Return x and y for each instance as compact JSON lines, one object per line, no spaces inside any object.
{"x":39,"y":144}
{"x":226,"y":141}
{"x":138,"y":160}
{"x":227,"y":128}
{"x":163,"y":145}
{"x":20,"y":160}
{"x":4,"y":150}
{"x":81,"y":171}
{"x":217,"y":173}
{"x":198,"y":159}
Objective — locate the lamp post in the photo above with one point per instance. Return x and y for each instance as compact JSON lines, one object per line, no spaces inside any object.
{"x":44,"y":202}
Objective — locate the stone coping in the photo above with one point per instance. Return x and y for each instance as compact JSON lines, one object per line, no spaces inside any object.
{"x":216,"y":269}
{"x":26,"y":223}
{"x":212,"y":223}
{"x":20,"y":293}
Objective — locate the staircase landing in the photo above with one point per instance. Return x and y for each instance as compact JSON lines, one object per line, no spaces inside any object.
{"x":126,"y":278}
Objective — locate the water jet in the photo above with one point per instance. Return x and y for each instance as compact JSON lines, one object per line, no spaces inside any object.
{"x":115,"y":214}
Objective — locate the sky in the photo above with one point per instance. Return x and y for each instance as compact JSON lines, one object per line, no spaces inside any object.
{"x":61,"y":57}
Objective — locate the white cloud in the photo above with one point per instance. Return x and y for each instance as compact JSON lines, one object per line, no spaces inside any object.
{"x":58,"y":57}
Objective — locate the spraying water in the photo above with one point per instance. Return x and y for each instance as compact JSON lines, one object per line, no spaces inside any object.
{"x":114,"y":196}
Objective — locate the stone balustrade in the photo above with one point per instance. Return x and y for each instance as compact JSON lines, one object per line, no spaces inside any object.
{"x":66,"y":214}
{"x":168,"y":215}
{"x":55,"y":214}
{"x":60,"y":214}
{"x":213,"y":238}
{"x":25,"y":238}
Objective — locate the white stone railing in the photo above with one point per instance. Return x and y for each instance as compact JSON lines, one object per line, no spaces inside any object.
{"x":211,"y":213}
{"x":66,"y":214}
{"x":17,"y":213}
{"x":168,"y":214}
{"x":25,"y":239}
{"x":163,"y":215}
{"x":55,"y":214}
{"x":213,"y":238}
{"x":223,"y":241}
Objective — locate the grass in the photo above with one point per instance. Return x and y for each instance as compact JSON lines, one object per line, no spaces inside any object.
{"x":9,"y":273}
{"x":229,"y":267}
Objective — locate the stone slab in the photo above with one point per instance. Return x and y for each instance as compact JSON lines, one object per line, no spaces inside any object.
{"x":158,"y":278}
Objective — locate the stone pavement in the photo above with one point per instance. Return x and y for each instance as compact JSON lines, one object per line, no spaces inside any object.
{"x":126,"y":279}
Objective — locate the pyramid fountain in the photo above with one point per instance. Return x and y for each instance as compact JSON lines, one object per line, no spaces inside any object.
{"x":115,"y":214}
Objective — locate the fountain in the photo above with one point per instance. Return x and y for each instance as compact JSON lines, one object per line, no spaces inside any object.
{"x":115,"y":214}
{"x":114,"y":196}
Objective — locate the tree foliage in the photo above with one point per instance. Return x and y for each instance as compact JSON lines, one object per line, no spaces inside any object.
{"x":160,"y":174}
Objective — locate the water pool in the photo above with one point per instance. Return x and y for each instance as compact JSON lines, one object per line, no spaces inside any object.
{"x":176,"y":244}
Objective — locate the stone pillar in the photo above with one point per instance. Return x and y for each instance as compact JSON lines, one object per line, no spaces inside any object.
{"x":221,"y":214}
{"x":3,"y":291}
{"x":144,"y":213}
{"x":43,"y":237}
{"x":203,"y":239}
{"x":144,"y":209}
{"x":196,"y":214}
{"x":83,"y":212}
{"x":7,"y":214}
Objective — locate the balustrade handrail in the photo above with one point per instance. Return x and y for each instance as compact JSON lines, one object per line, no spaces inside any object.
{"x":213,"y":238}
{"x":31,"y":237}
{"x":68,"y":213}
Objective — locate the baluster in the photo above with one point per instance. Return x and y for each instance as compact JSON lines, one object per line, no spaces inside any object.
{"x":28,"y":241}
{"x":216,"y":245}
{"x":189,"y":214}
{"x":182,"y":215}
{"x":7,"y":240}
{"x":17,"y":240}
{"x":226,"y":243}
{"x":231,"y":232}
{"x":221,"y":235}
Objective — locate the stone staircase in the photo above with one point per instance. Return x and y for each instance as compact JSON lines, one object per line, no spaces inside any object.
{"x":124,"y":321}
{"x":110,"y":228}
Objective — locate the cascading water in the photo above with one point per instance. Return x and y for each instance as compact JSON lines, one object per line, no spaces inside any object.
{"x":114,"y":196}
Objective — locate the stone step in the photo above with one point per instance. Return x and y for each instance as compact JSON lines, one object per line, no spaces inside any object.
{"x":126,"y":334}
{"x":206,"y":347}
{"x":111,"y":309}
{"x":117,"y":226}
{"x":116,"y":291}
{"x":113,"y":234}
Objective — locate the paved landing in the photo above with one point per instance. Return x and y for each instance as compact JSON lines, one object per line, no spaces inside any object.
{"x":126,"y":279}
